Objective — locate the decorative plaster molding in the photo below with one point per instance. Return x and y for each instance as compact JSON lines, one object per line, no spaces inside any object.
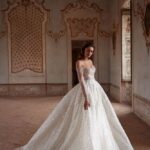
{"x":25,"y":3}
{"x":82,"y":4}
{"x":85,"y":22}
{"x":82,"y":25}
{"x":103,"y":33}
{"x":82,"y":7}
{"x":56,"y":35}
{"x":25,"y":38}
{"x":138,"y":11}
{"x":12,"y":2}
{"x":42,"y":4}
{"x":9,"y":3}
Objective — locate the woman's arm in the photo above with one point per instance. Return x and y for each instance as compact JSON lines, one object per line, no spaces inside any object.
{"x":79,"y":70}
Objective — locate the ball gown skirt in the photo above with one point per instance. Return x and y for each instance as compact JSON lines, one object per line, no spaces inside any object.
{"x":70,"y":127}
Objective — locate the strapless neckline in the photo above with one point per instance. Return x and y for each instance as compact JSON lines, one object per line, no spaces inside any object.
{"x":88,"y":67}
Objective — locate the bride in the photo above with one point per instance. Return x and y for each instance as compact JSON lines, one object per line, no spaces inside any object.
{"x":84,"y":119}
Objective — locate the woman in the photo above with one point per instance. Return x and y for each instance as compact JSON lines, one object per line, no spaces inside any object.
{"x":84,"y":119}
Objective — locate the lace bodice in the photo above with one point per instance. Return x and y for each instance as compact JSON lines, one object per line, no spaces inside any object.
{"x":85,"y":74}
{"x":88,"y":73}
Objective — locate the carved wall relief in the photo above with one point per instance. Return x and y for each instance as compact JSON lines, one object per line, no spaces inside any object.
{"x":56,"y":35}
{"x":103,"y":33}
{"x":82,"y":17}
{"x":26,"y":28}
{"x":82,"y":5}
{"x":82,"y":25}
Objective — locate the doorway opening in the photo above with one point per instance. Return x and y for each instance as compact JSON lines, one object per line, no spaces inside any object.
{"x":126,"y":67}
{"x":76,"y":50}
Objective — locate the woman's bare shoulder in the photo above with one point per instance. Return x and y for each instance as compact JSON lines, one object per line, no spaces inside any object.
{"x":79,"y":63}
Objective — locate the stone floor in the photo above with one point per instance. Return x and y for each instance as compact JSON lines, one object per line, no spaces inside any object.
{"x":20,"y":117}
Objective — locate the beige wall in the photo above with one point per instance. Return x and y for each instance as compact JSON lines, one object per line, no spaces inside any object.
{"x":56,"y":50}
{"x":56,"y":54}
{"x":141,"y":67}
{"x":3,"y":61}
{"x":115,"y":59}
{"x":140,"y":63}
{"x":141,"y":58}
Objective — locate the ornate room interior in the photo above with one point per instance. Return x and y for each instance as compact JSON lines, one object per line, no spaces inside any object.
{"x":40,"y":41}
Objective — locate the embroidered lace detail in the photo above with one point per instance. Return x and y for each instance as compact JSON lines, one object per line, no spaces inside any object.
{"x":88,"y":73}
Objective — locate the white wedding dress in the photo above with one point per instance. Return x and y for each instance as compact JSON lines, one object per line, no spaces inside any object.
{"x":71,"y":127}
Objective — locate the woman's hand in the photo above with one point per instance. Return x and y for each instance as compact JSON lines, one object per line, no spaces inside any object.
{"x":86,"y":104}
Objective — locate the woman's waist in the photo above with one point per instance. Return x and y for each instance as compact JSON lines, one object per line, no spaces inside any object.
{"x":89,"y":78}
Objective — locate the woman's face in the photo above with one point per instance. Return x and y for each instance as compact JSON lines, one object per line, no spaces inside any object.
{"x":88,"y":52}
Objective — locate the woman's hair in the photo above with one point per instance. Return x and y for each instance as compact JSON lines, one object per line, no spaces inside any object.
{"x":87,"y":45}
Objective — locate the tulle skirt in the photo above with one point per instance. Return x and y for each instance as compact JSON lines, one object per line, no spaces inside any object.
{"x":70,"y":127}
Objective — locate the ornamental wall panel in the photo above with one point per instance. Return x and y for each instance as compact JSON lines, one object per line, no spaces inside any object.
{"x":26,"y":41}
{"x":77,"y":26}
